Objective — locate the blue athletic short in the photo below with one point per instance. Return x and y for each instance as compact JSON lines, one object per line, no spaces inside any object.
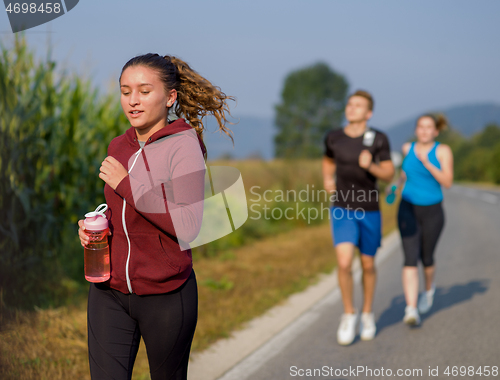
{"x":359,"y":227}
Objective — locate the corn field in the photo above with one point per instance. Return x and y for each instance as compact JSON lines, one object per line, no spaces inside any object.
{"x":54,"y":130}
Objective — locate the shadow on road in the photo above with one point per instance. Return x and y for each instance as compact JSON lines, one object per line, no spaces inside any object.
{"x":443,"y":298}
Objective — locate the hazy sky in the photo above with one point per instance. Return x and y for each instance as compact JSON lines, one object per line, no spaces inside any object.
{"x":413,"y":56}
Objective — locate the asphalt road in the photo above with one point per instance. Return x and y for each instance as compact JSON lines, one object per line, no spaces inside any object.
{"x":458,"y":339}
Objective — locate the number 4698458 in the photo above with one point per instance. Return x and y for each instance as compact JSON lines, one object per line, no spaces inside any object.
{"x":471,"y":371}
{"x":33,"y":8}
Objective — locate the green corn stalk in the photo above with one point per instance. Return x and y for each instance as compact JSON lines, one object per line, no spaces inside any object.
{"x":54,"y":131}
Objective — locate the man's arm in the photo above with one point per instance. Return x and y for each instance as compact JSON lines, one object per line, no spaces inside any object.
{"x":329,"y":169}
{"x":383,"y":170}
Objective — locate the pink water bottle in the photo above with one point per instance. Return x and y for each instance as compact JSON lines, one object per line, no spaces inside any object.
{"x":97,"y":251}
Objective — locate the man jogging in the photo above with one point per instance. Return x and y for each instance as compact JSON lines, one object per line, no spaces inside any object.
{"x":357,"y":155}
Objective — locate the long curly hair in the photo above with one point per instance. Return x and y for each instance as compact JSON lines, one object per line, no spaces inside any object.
{"x":197,"y":97}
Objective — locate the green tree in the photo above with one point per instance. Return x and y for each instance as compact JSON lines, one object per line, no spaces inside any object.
{"x":488,"y":137}
{"x":476,"y":158}
{"x":313,"y":102}
{"x":495,"y":164}
{"x":450,"y":137}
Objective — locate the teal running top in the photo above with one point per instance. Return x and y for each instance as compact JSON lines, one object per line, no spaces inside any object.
{"x":421,"y":188}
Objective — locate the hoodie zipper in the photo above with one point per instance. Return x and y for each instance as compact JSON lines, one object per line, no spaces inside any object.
{"x":129,"y":284}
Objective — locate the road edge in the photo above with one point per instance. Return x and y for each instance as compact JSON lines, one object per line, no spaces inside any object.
{"x":224,"y":354}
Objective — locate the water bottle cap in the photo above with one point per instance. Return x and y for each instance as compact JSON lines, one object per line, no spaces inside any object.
{"x":96,"y":220}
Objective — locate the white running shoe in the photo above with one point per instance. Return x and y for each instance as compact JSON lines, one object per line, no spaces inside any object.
{"x":347,"y":329}
{"x":411,"y":317}
{"x":368,"y":327}
{"x":426,"y":300}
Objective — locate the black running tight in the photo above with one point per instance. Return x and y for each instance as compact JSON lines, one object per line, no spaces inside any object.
{"x":116,"y":322}
{"x":420,"y":228}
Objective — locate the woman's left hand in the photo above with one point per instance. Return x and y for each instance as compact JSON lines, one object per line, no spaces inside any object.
{"x":112,"y":172}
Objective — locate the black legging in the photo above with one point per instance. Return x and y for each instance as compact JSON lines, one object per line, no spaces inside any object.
{"x":116,"y":322}
{"x":420,"y":227}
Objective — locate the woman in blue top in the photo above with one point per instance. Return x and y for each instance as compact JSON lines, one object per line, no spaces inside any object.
{"x":427,"y":166}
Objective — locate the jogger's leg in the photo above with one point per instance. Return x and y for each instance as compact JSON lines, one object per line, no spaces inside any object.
{"x":113,"y":336}
{"x":345,"y":254}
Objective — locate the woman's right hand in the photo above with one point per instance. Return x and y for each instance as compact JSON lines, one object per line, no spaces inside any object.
{"x":391,"y":188}
{"x":84,"y":238}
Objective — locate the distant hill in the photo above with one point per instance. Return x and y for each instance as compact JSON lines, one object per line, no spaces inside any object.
{"x":253,"y":137}
{"x":467,"y":119}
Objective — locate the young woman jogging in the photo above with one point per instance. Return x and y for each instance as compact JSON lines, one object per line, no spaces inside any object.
{"x":427,"y":166}
{"x":154,"y":188}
